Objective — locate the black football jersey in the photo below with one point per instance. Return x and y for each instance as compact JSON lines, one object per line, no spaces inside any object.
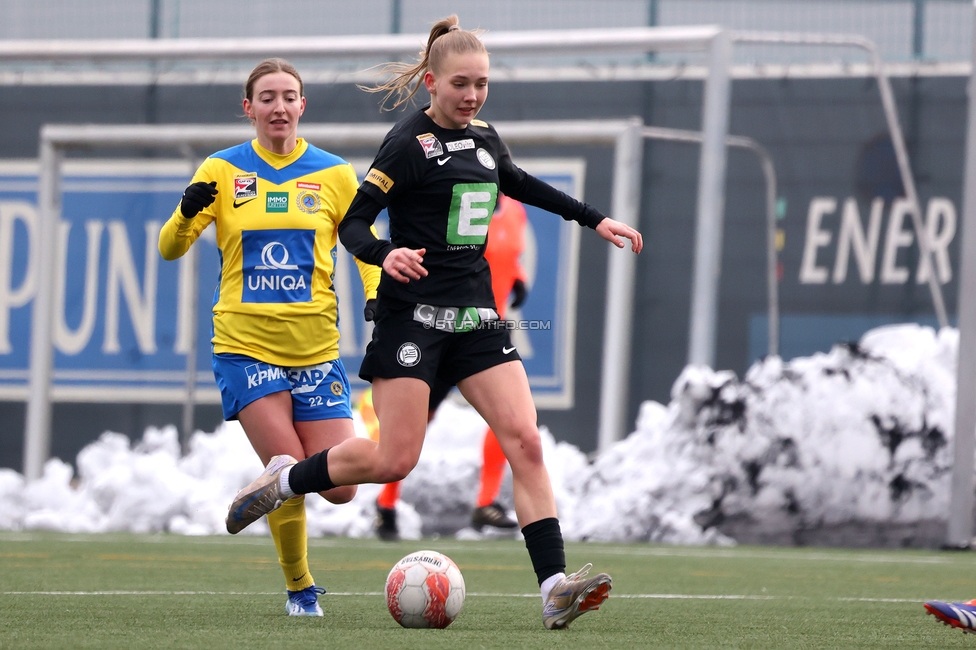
{"x":440,"y":187}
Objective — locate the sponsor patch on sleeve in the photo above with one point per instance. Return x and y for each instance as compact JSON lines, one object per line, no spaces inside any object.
{"x":379,"y":179}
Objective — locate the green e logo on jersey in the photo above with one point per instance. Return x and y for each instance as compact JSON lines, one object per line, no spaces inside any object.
{"x":277,"y":202}
{"x":471,"y":208}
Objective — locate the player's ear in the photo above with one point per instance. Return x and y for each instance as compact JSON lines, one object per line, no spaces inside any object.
{"x":247,"y":109}
{"x":301,"y":110}
{"x":429,"y":82}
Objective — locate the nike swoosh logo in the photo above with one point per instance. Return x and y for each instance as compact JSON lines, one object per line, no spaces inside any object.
{"x":441,"y":161}
{"x":331,"y":403}
{"x":508,"y":350}
{"x":300,"y":577}
{"x":238,"y":204}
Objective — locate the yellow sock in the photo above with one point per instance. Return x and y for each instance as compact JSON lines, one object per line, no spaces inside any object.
{"x":287,"y":525}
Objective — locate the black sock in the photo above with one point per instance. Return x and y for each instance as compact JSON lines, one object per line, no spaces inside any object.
{"x":544,"y":541}
{"x":311,"y":475}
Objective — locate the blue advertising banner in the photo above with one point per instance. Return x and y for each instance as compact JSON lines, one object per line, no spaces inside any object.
{"x":124,"y":317}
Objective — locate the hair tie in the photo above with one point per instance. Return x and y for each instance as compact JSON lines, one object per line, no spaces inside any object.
{"x":453,"y":28}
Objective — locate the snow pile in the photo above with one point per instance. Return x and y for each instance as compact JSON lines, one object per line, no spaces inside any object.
{"x":860,"y":435}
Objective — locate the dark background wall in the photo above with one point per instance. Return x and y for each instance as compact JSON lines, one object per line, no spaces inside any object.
{"x":817,"y":130}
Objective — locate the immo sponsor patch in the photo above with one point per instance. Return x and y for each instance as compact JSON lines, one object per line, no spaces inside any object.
{"x":277,"y":202}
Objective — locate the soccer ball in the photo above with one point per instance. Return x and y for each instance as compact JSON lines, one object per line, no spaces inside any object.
{"x":425,"y":589}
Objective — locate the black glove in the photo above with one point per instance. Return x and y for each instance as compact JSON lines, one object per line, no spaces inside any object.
{"x":369,"y":311}
{"x":196,"y":197}
{"x":521,"y":293}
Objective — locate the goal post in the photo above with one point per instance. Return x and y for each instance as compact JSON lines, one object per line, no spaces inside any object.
{"x":959,"y":533}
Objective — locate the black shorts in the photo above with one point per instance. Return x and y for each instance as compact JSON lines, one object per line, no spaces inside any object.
{"x":405,"y":347}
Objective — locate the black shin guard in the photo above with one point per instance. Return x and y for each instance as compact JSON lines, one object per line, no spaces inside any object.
{"x":311,"y":475}
{"x":544,"y":541}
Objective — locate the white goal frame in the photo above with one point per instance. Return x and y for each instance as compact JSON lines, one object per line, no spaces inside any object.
{"x":622,"y":135}
{"x":715,"y":41}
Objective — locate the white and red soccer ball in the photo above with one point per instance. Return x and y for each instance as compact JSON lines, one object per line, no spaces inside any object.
{"x":425,"y":589}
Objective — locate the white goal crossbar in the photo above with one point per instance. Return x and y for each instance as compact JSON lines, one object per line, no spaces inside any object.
{"x":628,"y":39}
{"x":625,"y":202}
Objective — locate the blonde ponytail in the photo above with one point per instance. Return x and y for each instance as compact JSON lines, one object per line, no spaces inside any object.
{"x":446,"y":37}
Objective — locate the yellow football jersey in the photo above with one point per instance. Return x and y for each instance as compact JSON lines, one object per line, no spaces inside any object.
{"x":276,"y":218}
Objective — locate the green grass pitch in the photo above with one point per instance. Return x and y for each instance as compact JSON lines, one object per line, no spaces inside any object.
{"x":166,"y":591}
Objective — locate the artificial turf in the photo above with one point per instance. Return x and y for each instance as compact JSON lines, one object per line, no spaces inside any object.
{"x":167,"y":591}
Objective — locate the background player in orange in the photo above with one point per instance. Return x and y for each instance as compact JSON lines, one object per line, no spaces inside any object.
{"x":506,"y":241}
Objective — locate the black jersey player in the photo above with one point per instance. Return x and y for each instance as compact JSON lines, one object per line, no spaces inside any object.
{"x":439,"y":173}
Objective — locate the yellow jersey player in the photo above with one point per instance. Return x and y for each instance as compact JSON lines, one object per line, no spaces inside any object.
{"x":276,"y":203}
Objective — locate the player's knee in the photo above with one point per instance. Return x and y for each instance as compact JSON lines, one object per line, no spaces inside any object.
{"x":532,"y":447}
{"x":393,"y":473}
{"x":529,"y":444}
{"x":341,"y":494}
{"x":394,"y":470}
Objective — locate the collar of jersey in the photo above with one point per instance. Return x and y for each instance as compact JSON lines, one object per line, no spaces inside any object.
{"x":304,"y":160}
{"x":280,"y":161}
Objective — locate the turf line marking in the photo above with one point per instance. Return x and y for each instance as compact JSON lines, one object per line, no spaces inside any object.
{"x":729,"y":553}
{"x":695,"y":597}
{"x":785,"y":556}
{"x":140,"y":593}
{"x":879,"y":600}
{"x":475,"y":595}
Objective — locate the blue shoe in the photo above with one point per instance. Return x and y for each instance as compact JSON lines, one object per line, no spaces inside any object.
{"x":304,"y":602}
{"x":960,"y":615}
